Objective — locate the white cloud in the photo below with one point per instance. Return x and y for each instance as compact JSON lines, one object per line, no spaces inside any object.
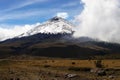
{"x":63,"y":14}
{"x":6,"y":33}
{"x":100,"y":19}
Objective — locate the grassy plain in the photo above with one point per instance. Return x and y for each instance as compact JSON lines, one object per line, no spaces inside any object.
{"x":55,"y":69}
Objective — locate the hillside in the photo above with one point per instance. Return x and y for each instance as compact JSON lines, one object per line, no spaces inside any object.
{"x":54,"y":38}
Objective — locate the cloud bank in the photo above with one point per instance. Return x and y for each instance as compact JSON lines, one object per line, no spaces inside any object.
{"x":6,"y":33}
{"x":99,"y":19}
{"x":63,"y":15}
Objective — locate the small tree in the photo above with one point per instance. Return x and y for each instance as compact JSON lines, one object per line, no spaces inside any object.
{"x":98,"y":64}
{"x":73,"y":63}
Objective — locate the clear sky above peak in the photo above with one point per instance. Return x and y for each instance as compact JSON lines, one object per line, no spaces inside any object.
{"x":20,"y":12}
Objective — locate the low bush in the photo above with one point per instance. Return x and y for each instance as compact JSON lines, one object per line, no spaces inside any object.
{"x":79,"y":69}
{"x":73,"y":63}
{"x":46,"y":66}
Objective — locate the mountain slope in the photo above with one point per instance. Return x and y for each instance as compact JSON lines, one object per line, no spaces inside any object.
{"x":54,"y":39}
{"x":53,"y":26}
{"x":60,"y":48}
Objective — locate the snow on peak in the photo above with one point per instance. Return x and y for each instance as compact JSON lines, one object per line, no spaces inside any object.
{"x":52,"y":26}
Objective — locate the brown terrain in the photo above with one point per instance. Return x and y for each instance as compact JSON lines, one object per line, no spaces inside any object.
{"x":50,"y":57}
{"x":24,"y":68}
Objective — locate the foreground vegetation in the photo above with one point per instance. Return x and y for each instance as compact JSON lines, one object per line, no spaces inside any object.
{"x":57,"y":69}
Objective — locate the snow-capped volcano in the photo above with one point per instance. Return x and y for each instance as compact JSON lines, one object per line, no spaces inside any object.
{"x":53,"y":26}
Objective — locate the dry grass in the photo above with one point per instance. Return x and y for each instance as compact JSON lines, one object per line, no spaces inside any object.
{"x":47,"y":69}
{"x":68,"y":63}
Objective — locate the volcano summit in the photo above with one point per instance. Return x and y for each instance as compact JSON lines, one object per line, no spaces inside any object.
{"x":56,"y":25}
{"x":54,"y":38}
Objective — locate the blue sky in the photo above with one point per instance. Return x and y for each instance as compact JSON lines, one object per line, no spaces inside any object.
{"x":20,"y":12}
{"x":18,"y":16}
